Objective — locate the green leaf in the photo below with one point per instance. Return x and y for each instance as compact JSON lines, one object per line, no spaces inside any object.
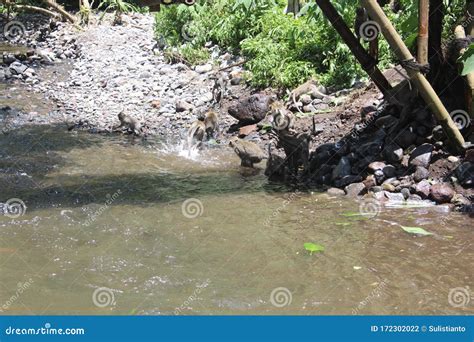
{"x":416,"y":230}
{"x":312,"y":247}
{"x":467,"y":60}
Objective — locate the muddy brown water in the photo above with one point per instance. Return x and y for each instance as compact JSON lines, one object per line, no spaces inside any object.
{"x":107,"y":231}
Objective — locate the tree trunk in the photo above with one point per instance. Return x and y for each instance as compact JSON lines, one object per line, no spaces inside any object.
{"x":423,"y":24}
{"x":293,"y":7}
{"x":435,"y":50}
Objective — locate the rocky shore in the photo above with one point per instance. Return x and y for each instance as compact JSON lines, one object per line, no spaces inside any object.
{"x":359,"y":146}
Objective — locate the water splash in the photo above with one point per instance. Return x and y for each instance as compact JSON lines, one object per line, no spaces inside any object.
{"x":182,"y":149}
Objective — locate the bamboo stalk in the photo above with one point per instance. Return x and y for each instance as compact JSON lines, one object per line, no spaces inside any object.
{"x":424,"y":87}
{"x":459,"y":33}
{"x":367,"y":62}
{"x":423,"y":24}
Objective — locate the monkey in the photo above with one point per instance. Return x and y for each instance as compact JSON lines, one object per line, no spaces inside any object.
{"x":248,"y":152}
{"x":310,"y":87}
{"x":196,"y":134}
{"x":129,"y":123}
{"x":283,"y":119}
{"x":360,"y":19}
{"x":219,"y":88}
{"x":211,"y":123}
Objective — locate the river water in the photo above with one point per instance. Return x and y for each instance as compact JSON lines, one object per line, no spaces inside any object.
{"x":115,"y":225}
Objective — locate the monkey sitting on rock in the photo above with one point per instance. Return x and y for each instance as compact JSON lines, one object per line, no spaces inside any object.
{"x":248,"y":152}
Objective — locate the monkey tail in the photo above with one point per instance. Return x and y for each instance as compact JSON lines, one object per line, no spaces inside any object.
{"x":296,"y":105}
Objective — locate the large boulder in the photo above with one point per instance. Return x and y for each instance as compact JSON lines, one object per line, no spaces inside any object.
{"x":251,"y":109}
{"x":421,"y":156}
{"x":441,"y":193}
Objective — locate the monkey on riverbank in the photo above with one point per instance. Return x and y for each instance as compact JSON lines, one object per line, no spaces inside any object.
{"x":248,"y":152}
{"x":196,"y":133}
{"x":210,"y":122}
{"x":129,"y":123}
{"x":219,"y":88}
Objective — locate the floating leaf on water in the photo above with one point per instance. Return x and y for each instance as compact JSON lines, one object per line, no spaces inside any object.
{"x":416,"y":230}
{"x":312,"y":247}
{"x":343,"y":224}
{"x":356,"y":267}
{"x":351,"y":214}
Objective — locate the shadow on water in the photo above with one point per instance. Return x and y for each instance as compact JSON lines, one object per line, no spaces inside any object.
{"x":32,"y":157}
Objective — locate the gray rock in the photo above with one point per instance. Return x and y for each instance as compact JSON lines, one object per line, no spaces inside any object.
{"x":406,"y":193}
{"x":182,"y":106}
{"x":389,"y":171}
{"x":441,"y":193}
{"x":465,"y":174}
{"x":201,"y":69}
{"x":420,"y":174}
{"x":17,"y":68}
{"x":377,"y":165}
{"x":355,"y":189}
{"x":421,"y":156}
{"x":340,"y":183}
{"x":305,"y":99}
{"x":394,"y":197}
{"x":335,"y":192}
{"x":379,"y":176}
{"x":423,"y":189}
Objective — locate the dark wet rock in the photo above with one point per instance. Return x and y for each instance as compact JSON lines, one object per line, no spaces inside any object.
{"x":465,"y":174}
{"x":386,"y":122}
{"x":335,"y":192}
{"x":344,"y":181}
{"x":342,"y":169}
{"x":406,"y":138}
{"x":393,"y":153}
{"x":469,"y":157}
{"x":389,"y":171}
{"x":379,"y":176}
{"x":355,"y":189}
{"x":420,"y":174}
{"x":423,"y":189}
{"x":441,"y":193}
{"x":251,"y":109}
{"x":438,"y":133}
{"x":421,"y":156}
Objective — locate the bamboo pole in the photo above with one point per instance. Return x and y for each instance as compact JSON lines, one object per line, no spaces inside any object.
{"x":58,"y":8}
{"x":29,"y":8}
{"x":459,"y":33}
{"x":423,"y":22}
{"x":368,"y":63}
{"x":424,"y":87}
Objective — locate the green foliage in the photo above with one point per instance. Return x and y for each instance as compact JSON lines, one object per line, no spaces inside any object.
{"x":312,"y":248}
{"x":467,"y":60}
{"x":281,"y":50}
{"x":416,"y":230}
{"x":117,"y":5}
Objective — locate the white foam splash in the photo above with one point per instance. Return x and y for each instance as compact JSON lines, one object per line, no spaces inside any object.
{"x":181,"y":149}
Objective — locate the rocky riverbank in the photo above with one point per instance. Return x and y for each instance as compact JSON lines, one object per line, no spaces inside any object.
{"x":359,"y":145}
